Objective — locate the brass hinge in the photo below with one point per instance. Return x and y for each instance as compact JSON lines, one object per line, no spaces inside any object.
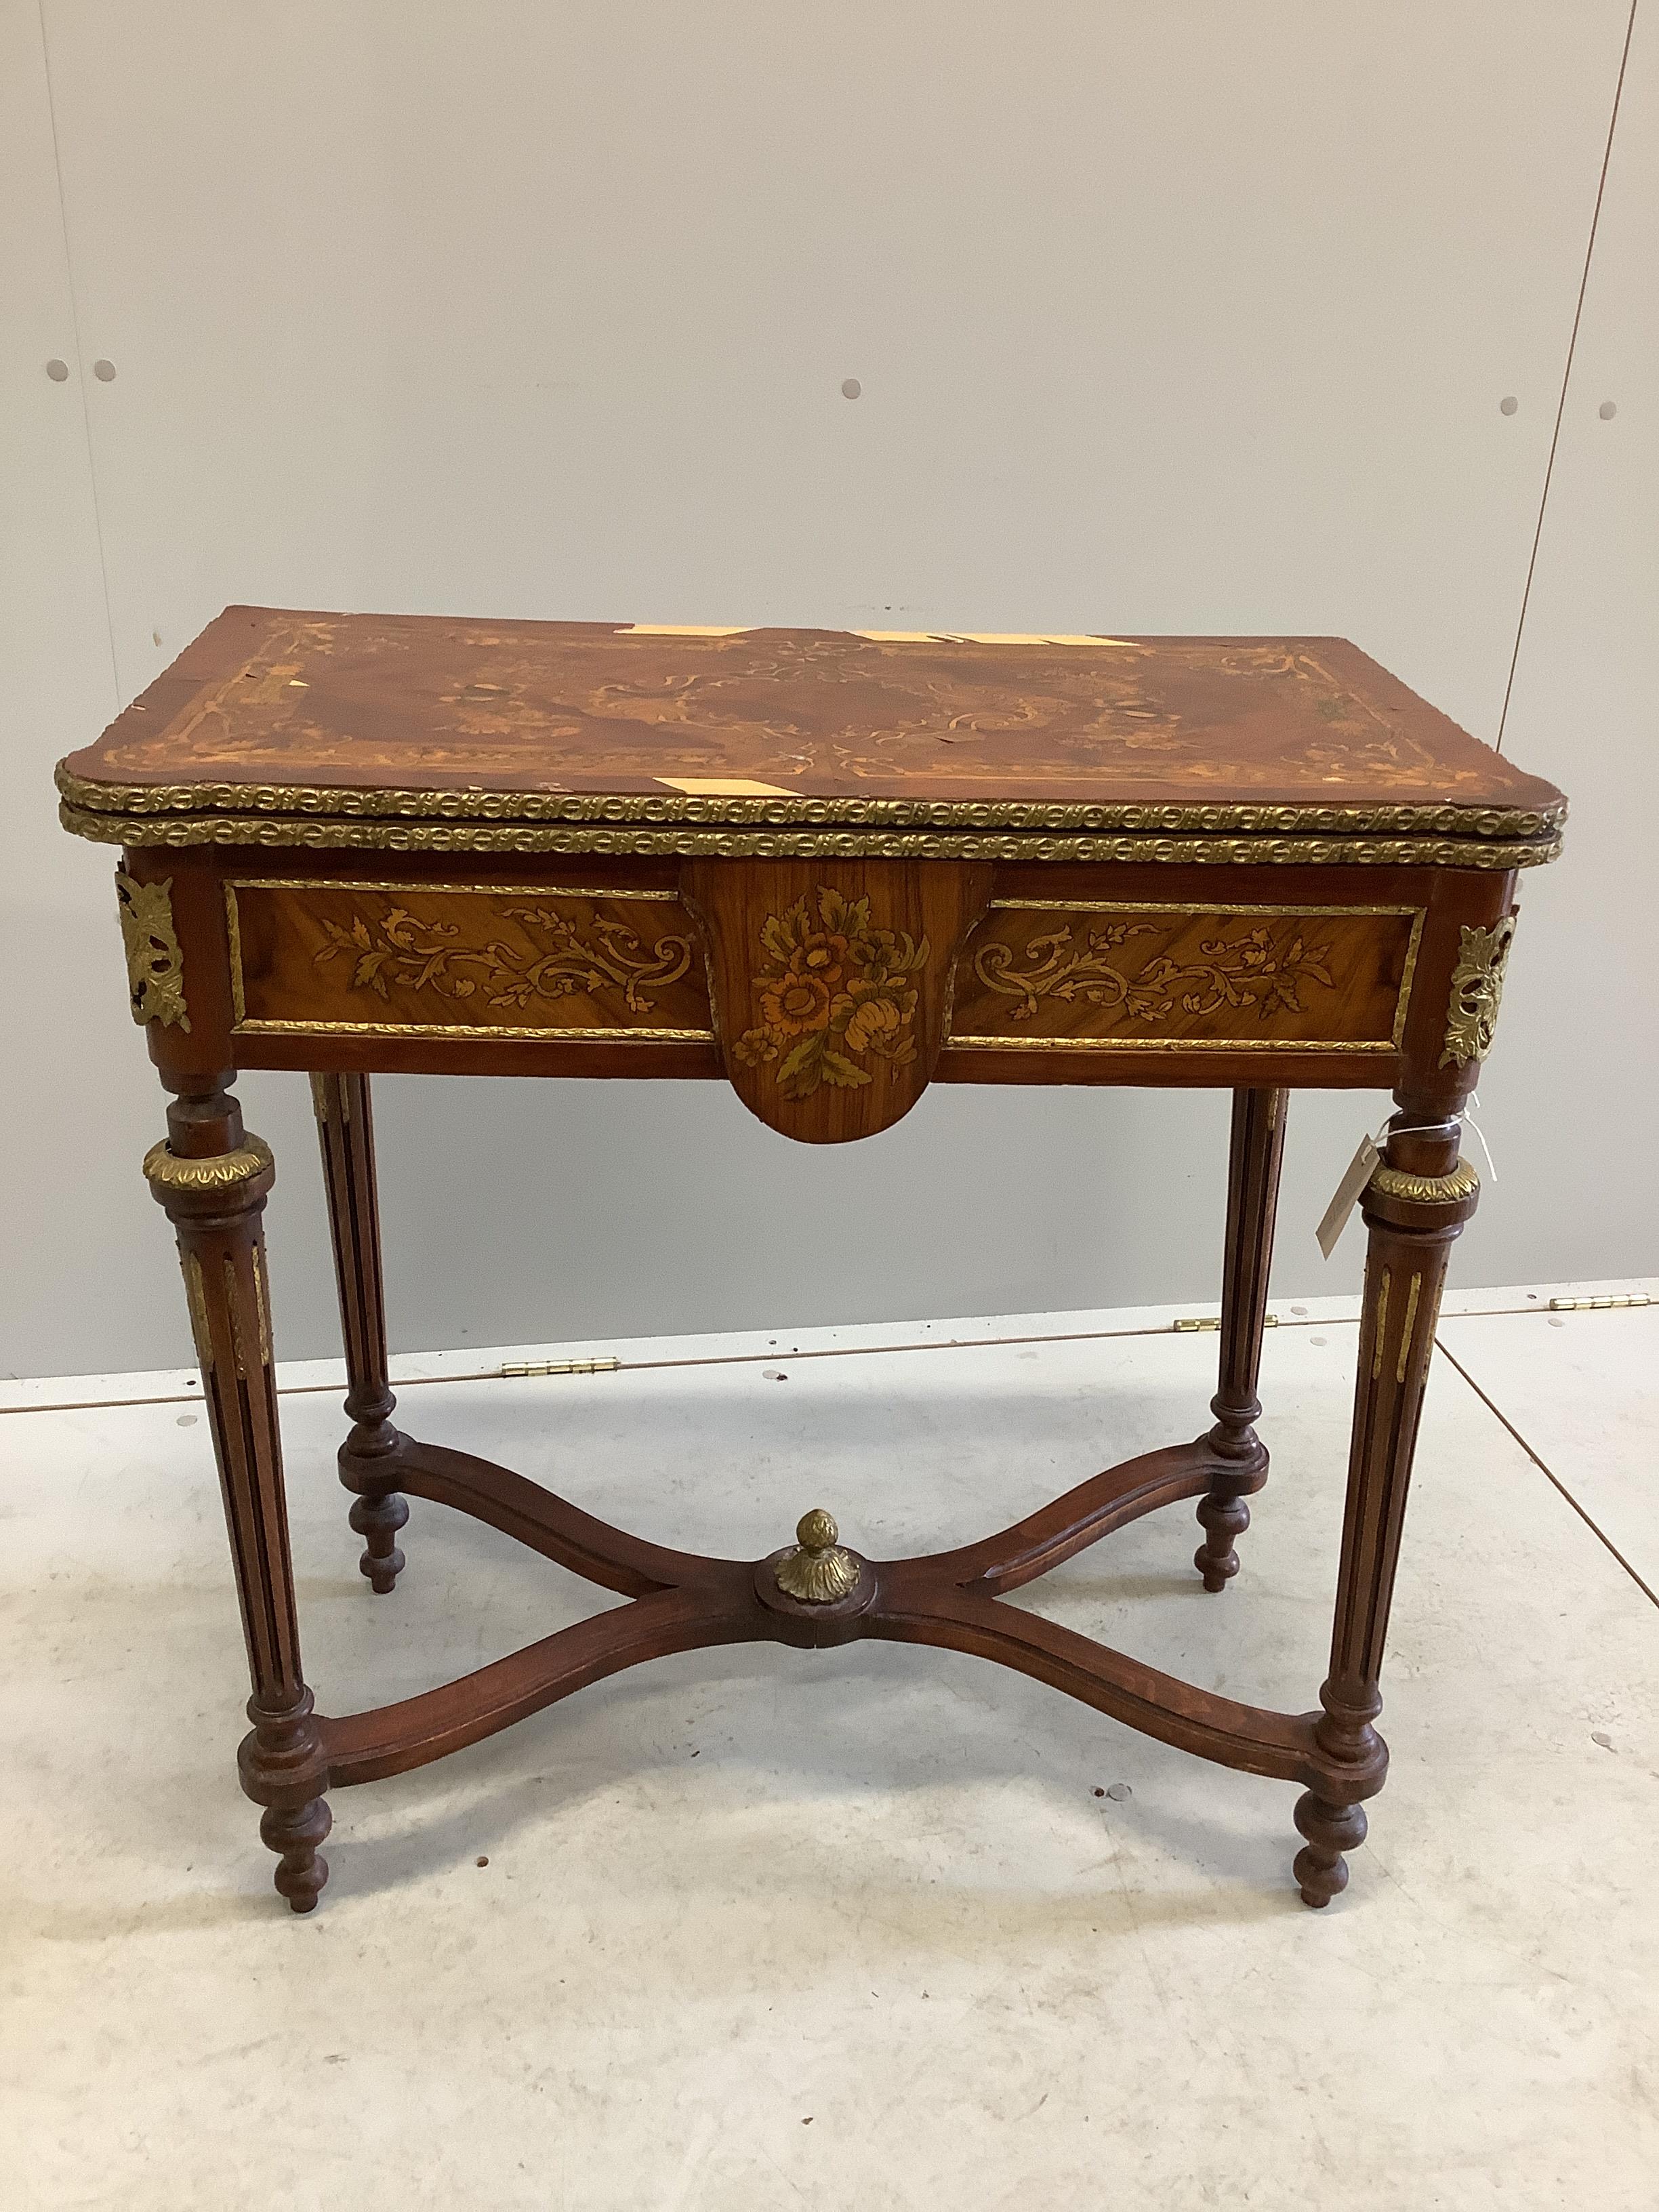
{"x":1600,"y":1306}
{"x":522,"y":1367}
{"x":1192,"y":1321}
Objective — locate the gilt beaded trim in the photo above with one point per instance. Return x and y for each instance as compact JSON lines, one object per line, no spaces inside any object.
{"x":785,"y":812}
{"x":265,"y":832}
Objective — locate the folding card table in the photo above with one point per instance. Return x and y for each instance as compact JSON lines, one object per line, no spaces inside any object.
{"x":831,"y":868}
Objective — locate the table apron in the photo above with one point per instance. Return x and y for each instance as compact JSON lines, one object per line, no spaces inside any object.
{"x":829,"y":994}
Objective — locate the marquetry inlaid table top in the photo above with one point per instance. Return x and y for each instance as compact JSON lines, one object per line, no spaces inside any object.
{"x":315,"y":729}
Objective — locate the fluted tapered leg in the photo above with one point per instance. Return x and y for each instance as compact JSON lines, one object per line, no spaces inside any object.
{"x":213,"y":1178}
{"x":345,"y":1128}
{"x":1417,"y":1202}
{"x":1258,"y":1146}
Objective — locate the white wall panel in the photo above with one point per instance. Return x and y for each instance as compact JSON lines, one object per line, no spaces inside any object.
{"x":1573,"y":1090}
{"x":1192,"y":318}
{"x":68,"y":1207}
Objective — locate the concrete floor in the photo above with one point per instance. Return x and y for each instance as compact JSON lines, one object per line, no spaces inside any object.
{"x":763,"y":1928}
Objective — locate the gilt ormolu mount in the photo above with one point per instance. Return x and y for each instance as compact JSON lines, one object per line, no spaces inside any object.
{"x":830,"y":869}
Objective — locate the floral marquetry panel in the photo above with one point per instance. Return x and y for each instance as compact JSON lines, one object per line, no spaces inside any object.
{"x":1121,"y":976}
{"x":836,"y":999}
{"x":464,"y":959}
{"x":830,"y":984}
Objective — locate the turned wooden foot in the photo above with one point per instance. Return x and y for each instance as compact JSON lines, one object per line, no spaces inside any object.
{"x":1224,"y":1516}
{"x":346,"y":1130}
{"x":377,"y":1518}
{"x":294,"y":1833}
{"x":1257,"y":1149}
{"x":1321,"y":1869}
{"x":283,"y":1768}
{"x":367,"y":1469}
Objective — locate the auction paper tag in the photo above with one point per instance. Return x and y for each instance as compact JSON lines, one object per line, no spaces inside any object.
{"x":1355,"y":1177}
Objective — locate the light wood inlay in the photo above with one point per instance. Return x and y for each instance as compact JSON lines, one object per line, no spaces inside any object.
{"x":274,"y":712}
{"x":1125,"y":978}
{"x":464,"y":960}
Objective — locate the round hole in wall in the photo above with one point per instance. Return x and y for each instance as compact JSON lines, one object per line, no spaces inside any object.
{"x":104,"y":371}
{"x":1508,"y":406}
{"x":850,"y":387}
{"x":57,"y":371}
{"x":1608,"y":410}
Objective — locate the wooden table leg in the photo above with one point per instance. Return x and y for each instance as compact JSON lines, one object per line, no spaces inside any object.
{"x":212,"y":1179}
{"x":1258,"y":1147}
{"x":1417,"y":1202}
{"x":345,"y":1129}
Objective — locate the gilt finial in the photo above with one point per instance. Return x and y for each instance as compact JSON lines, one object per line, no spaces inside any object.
{"x":819,"y":1569}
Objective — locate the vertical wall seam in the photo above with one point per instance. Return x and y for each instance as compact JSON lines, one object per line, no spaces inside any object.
{"x":1566,"y":377}
{"x":80,"y":354}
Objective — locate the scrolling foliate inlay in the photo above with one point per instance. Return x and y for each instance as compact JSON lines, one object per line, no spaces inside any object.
{"x":538,"y":960}
{"x":1118,"y":976}
{"x":833,"y":994}
{"x":1256,"y":970}
{"x":156,"y":961}
{"x":434,"y":956}
{"x":1477,"y":988}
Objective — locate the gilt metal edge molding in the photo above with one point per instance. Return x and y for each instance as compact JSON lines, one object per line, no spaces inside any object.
{"x":1460,"y":1181}
{"x":257,"y":1027}
{"x":1016,"y":903}
{"x":1202,"y":817}
{"x":261,"y":833}
{"x":1284,"y":1046}
{"x":169,"y":1171}
{"x":497,"y":890}
{"x":233,"y":945}
{"x":1408,"y":977}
